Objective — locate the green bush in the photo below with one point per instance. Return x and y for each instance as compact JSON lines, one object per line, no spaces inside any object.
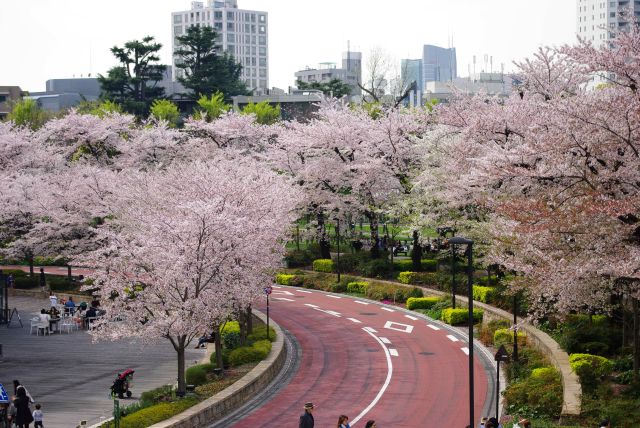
{"x":421,"y":302}
{"x":339,"y":287}
{"x":359,"y":287}
{"x":284,"y":278}
{"x":197,"y":375}
{"x":157,"y":413}
{"x":350,"y":262}
{"x":376,"y":268}
{"x":485,"y":282}
{"x":25,"y":282}
{"x":260,"y":333}
{"x":225,"y":357}
{"x":231,"y":340}
{"x":165,"y":110}
{"x":484,"y":294}
{"x":323,"y":265}
{"x":17,"y":273}
{"x":429,"y":265}
{"x":249,"y":354}
{"x":590,"y":368}
{"x":504,"y":336}
{"x":298,"y":258}
{"x":398,"y":293}
{"x":156,"y":395}
{"x":459,"y":316}
{"x":403,"y":265}
{"x":577,"y":334}
{"x":408,"y":277}
{"x":539,"y":395}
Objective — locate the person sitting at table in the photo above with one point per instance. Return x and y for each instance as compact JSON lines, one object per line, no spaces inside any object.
{"x":54,"y":312}
{"x":44,"y":316}
{"x":90,"y":315}
{"x":70,"y":306}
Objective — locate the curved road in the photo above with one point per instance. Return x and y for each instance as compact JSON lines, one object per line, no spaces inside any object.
{"x":371,"y":361}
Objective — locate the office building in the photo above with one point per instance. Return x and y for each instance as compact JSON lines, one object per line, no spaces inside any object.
{"x":410,"y":72}
{"x":439,"y":64}
{"x":242,"y":33}
{"x":597,"y":19}
{"x":350,"y":72}
{"x":490,"y":84}
{"x":9,"y":95}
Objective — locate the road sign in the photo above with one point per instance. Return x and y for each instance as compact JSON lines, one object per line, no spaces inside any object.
{"x":502,"y":354}
{"x":4,"y":397}
{"x":268,"y":289}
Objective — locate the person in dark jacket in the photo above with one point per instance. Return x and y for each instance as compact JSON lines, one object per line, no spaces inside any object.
{"x":23,"y":411}
{"x":306,"y":419}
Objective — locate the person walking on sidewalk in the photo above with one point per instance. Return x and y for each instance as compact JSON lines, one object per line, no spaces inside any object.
{"x":343,"y":422}
{"x":37,"y":417}
{"x":23,"y":411}
{"x":306,"y":419}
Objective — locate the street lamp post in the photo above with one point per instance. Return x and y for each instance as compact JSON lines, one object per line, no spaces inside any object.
{"x":453,"y":276}
{"x":338,"y":244}
{"x":456,"y":240}
{"x":501,"y":355}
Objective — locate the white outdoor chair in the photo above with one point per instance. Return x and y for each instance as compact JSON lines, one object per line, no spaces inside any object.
{"x":34,"y":324}
{"x":44,"y":326}
{"x":68,"y":324}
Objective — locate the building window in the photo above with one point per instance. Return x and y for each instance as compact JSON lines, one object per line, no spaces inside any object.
{"x":217,"y":15}
{"x":3,"y":98}
{"x":253,"y":18}
{"x":253,"y":61}
{"x":263,"y":29}
{"x":263,"y":83}
{"x":247,"y":39}
{"x":253,"y":72}
{"x":263,"y":18}
{"x":177,"y":30}
{"x":253,"y":40}
{"x":231,"y":38}
{"x":230,"y":16}
{"x":230,"y":26}
{"x":253,"y":28}
{"x":263,"y":72}
{"x":253,"y":50}
{"x":232,"y":49}
{"x":253,"y":83}
{"x":177,"y":19}
{"x":217,"y":25}
{"x":262,"y":51}
{"x":208,"y":16}
{"x":262,"y":40}
{"x":612,"y":15}
{"x":247,"y":28}
{"x":263,"y":62}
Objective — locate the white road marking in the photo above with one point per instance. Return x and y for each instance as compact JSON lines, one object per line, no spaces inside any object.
{"x":405,"y":328}
{"x":452,"y":338}
{"x":304,"y":291}
{"x":311,"y":306}
{"x":386,"y":382}
{"x":387,"y":309}
{"x":334,"y":313}
{"x":369,"y":329}
{"x":275,"y":286}
{"x":335,"y":297}
{"x":355,"y":320}
{"x":362,"y":303}
{"x":288,"y":293}
{"x":465,"y":350}
{"x":433,"y":327}
{"x":393,"y":352}
{"x":385,"y":340}
{"x":283,"y":298}
{"x":411,"y":317}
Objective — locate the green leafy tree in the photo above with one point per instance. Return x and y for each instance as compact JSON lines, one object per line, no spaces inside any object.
{"x":134,"y":83}
{"x":205,"y":69}
{"x":165,"y":110}
{"x":28,"y":113}
{"x":265,"y":113}
{"x":99,"y":108}
{"x":335,"y":87}
{"x":211,"y":108}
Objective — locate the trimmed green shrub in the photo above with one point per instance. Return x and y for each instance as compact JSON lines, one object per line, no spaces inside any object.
{"x":504,"y":336}
{"x":350,"y":262}
{"x":298,"y":258}
{"x":376,"y":268}
{"x":323,"y":265}
{"x":538,"y":395}
{"x":402,"y":265}
{"x":17,"y":273}
{"x":260,"y":333}
{"x":421,"y":302}
{"x":416,"y":277}
{"x":284,"y":278}
{"x":484,"y":294}
{"x":486,"y":282}
{"x":156,"y":413}
{"x":459,"y":315}
{"x":225,"y":357}
{"x":398,"y":293}
{"x":578,"y":334}
{"x":249,"y":354}
{"x":339,"y":287}
{"x":197,"y":375}
{"x":429,"y":265}
{"x":359,"y":287}
{"x":590,"y":368}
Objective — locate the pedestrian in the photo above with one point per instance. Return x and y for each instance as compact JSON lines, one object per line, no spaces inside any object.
{"x":483,"y":421}
{"x":605,"y":423}
{"x":43,"y":280}
{"x":23,"y":412}
{"x":37,"y":417}
{"x":495,"y":423}
{"x":16,"y":385}
{"x":371,"y":424}
{"x":343,"y":422}
{"x":306,"y":419}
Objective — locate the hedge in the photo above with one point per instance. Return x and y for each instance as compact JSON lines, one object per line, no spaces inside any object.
{"x":156,"y":413}
{"x":398,"y":293}
{"x":540,"y":394}
{"x":421,"y":302}
{"x":590,"y":368}
{"x":323,"y":265}
{"x":484,"y":294}
{"x":459,"y":316}
{"x":504,"y":336}
{"x":357,"y":287}
{"x":409,"y":277}
{"x":197,"y":375}
{"x":225,"y":358}
{"x":249,"y":354}
{"x":284,"y":278}
{"x":407,"y":265}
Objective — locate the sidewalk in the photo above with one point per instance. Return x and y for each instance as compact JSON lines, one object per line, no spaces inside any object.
{"x":70,"y":376}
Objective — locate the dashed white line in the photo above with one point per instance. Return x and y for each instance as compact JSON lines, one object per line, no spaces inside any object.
{"x":465,"y":350}
{"x":355,"y":320}
{"x":283,"y":298}
{"x":335,"y":297}
{"x":369,"y":329}
{"x":387,"y":309}
{"x":433,"y":327}
{"x":361,"y":302}
{"x":385,"y":340}
{"x":393,"y":352}
{"x":275,"y":286}
{"x":411,"y":317}
{"x":310,"y":305}
{"x":304,"y":291}
{"x":452,"y":338}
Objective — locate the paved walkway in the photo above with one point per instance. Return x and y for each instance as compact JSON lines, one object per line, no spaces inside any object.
{"x":70,"y":376}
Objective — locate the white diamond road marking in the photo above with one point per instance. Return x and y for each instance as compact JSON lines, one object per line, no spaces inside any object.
{"x":355,"y":320}
{"x":369,"y":329}
{"x":387,"y":309}
{"x":310,"y":305}
{"x":411,"y":317}
{"x":304,"y":291}
{"x":283,"y":298}
{"x":335,"y":297}
{"x":433,"y":327}
{"x":405,"y":328}
{"x":385,"y":340}
{"x":465,"y":350}
{"x":362,"y":303}
{"x":393,"y":352}
{"x":452,"y":338}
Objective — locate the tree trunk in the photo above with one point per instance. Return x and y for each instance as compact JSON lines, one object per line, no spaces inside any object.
{"x":249,"y":320}
{"x":242,"y":322}
{"x":375,"y":237}
{"x":30,"y":258}
{"x":323,"y":239}
{"x":218,"y":346}
{"x":182,"y":383}
{"x":636,"y":340}
{"x":416,"y":253}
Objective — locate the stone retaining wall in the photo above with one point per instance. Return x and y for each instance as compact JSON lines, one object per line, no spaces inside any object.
{"x":234,"y":396}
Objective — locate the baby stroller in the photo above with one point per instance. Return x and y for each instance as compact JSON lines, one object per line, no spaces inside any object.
{"x":122,"y":384}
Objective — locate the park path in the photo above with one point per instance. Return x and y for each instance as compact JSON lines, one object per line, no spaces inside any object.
{"x":70,"y":376}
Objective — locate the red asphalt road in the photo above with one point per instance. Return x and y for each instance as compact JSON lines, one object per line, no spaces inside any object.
{"x":344,"y":368}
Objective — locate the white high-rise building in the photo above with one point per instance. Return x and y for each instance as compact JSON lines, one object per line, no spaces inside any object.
{"x":242,"y":33}
{"x":598,"y":18}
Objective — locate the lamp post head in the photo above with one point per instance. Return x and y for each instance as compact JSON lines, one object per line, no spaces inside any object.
{"x":458,"y":240}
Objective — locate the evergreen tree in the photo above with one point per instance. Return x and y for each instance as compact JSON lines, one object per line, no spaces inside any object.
{"x":335,"y":87}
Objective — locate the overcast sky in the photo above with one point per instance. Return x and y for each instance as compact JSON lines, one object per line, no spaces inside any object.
{"x":45,"y":39}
